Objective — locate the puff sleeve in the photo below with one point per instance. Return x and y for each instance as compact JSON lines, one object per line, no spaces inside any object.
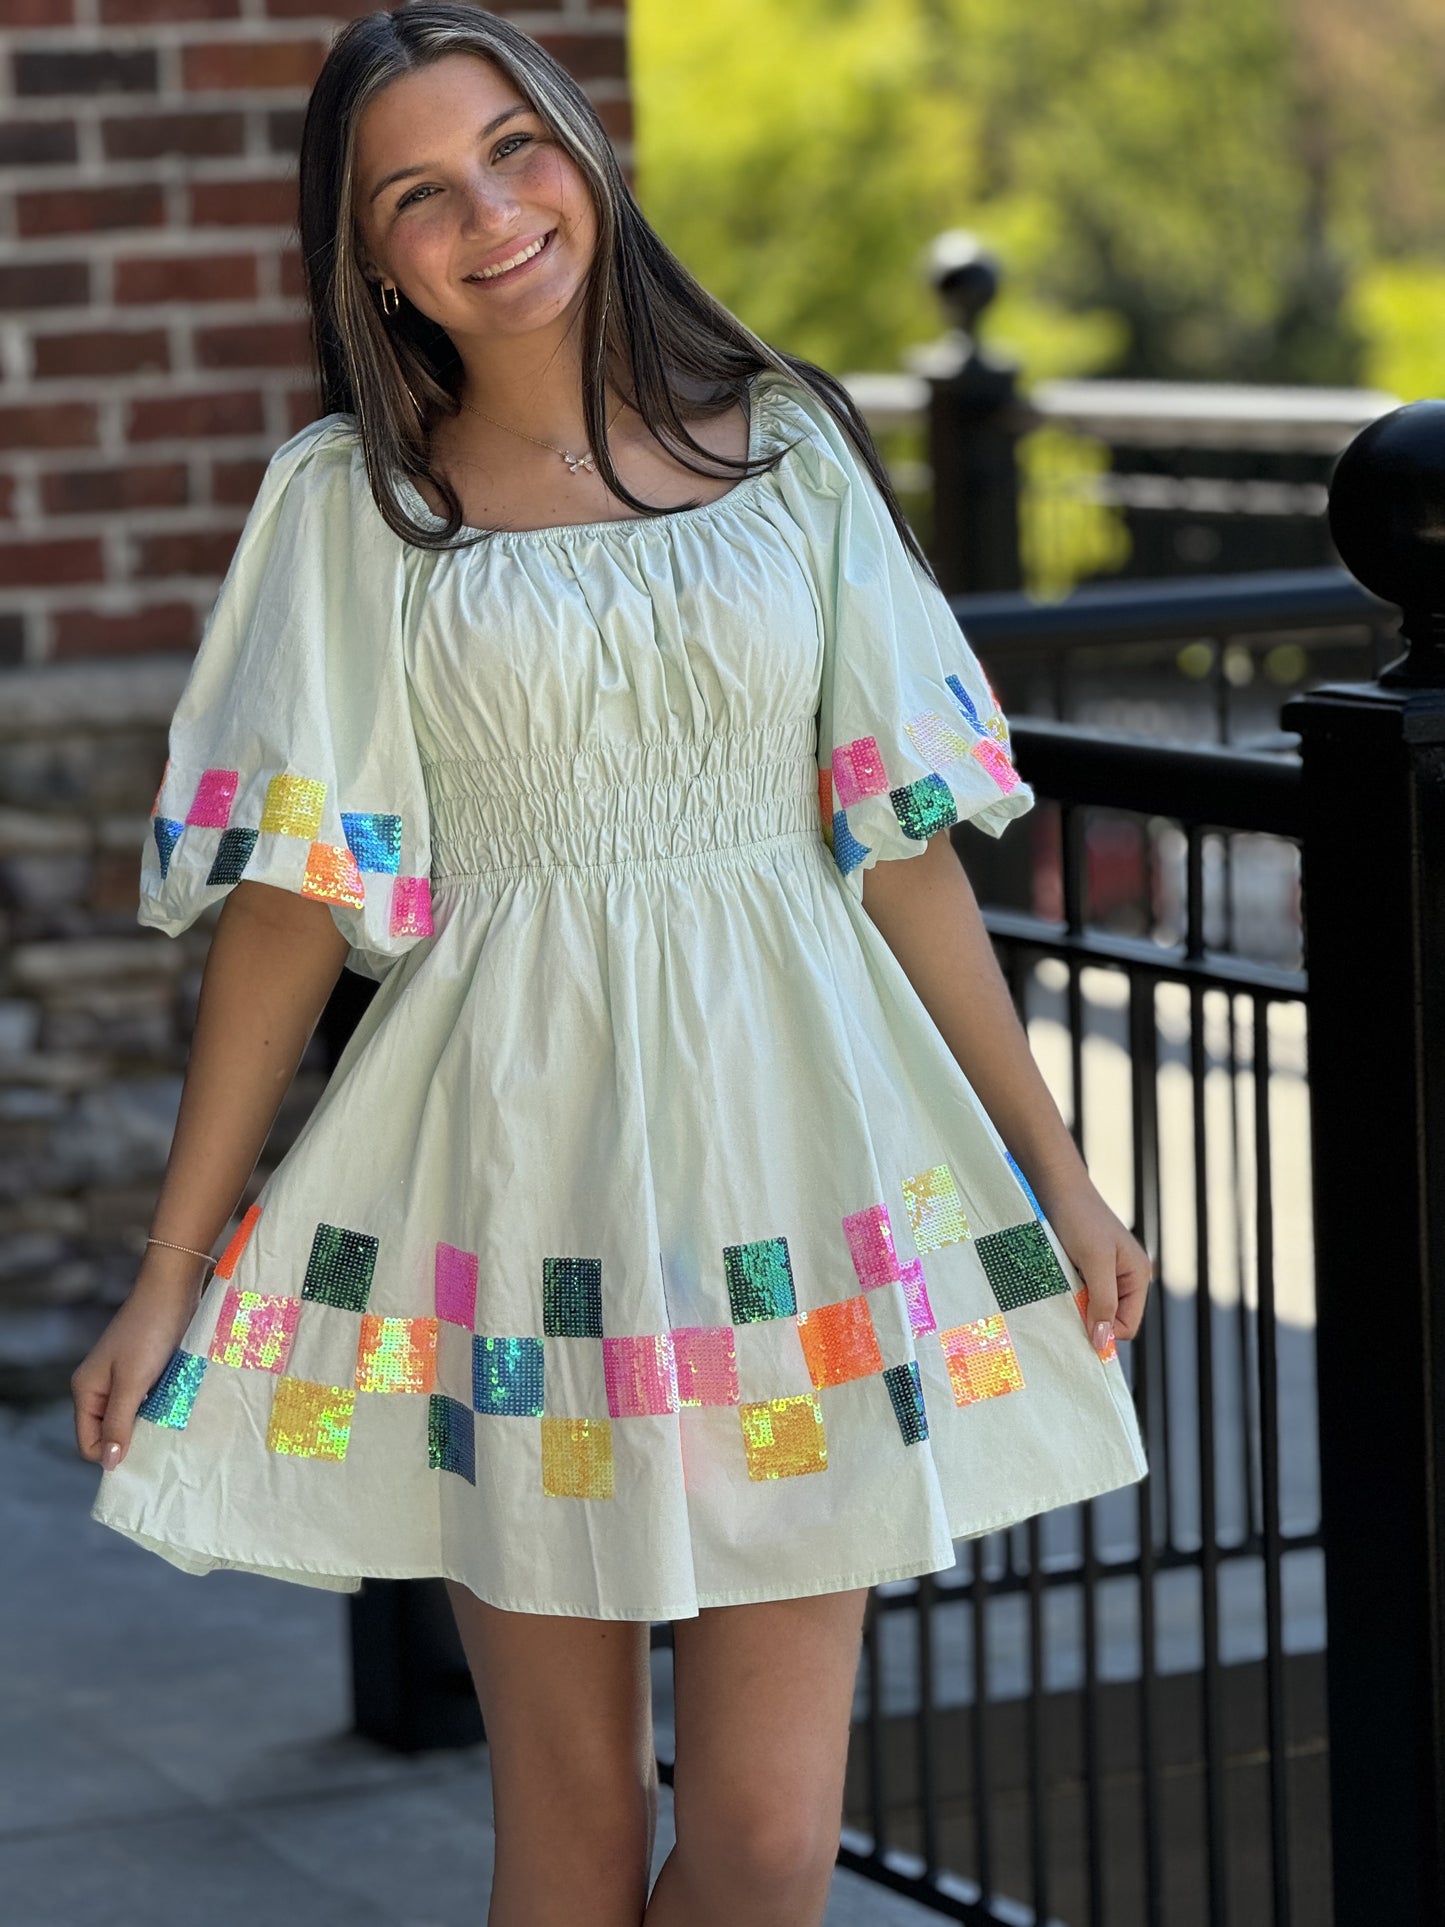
{"x":910,"y":736}
{"x":291,"y":755}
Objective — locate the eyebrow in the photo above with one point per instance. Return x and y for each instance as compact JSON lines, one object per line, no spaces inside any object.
{"x":406,"y":173}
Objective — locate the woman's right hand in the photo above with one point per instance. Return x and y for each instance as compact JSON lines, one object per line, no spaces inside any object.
{"x":111,"y":1381}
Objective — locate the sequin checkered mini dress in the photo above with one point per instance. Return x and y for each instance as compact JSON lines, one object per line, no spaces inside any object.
{"x":647,"y":1248}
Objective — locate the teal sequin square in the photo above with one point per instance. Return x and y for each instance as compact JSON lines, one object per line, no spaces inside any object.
{"x":925,"y":806}
{"x":905,"y":1388}
{"x":374,"y":840}
{"x":572,"y":1297}
{"x":339,"y":1270}
{"x":1021,"y":1265}
{"x":451,"y":1437}
{"x":760,"y":1280}
{"x":233,"y":853}
{"x":170,"y":1399}
{"x":507,"y":1376}
{"x":167,"y":830}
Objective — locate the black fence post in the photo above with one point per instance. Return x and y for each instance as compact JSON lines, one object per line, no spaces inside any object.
{"x":975,"y":419}
{"x":1374,"y":896}
{"x":410,"y":1685}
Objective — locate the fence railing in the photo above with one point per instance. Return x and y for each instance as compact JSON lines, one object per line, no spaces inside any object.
{"x":1220,"y":1698}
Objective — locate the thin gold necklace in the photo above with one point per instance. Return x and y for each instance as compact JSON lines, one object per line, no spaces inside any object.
{"x":574,"y":462}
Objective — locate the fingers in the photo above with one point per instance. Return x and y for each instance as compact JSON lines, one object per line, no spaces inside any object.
{"x":1134,"y":1273}
{"x":1097,"y":1266}
{"x":105,"y":1410}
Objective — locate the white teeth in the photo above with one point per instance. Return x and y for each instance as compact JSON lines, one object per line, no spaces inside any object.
{"x":489,"y":274}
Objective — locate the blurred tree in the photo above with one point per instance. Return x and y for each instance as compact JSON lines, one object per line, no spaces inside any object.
{"x":1180,"y":188}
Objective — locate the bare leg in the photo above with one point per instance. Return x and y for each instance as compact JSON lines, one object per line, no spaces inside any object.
{"x":763,"y":1696}
{"x":567,"y":1704}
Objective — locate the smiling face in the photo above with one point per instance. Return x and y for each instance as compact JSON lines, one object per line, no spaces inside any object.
{"x":457,"y":179}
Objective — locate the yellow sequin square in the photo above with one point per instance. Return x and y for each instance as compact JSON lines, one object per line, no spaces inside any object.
{"x":784,"y":1436}
{"x":839,"y":1341}
{"x":577,"y":1458}
{"x":396,"y":1354}
{"x":310,"y":1421}
{"x":293,"y":805}
{"x":332,"y":872}
{"x":935,"y":1210}
{"x":981,"y":1359}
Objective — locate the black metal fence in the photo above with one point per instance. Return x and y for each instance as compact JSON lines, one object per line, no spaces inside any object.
{"x":1220,"y":1697}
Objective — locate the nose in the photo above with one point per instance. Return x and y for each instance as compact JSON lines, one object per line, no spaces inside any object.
{"x":488,"y":203}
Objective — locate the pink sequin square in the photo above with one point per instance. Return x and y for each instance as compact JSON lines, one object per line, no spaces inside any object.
{"x":987,"y":752}
{"x":870,"y":1240}
{"x":707,"y":1364}
{"x":411,"y":907}
{"x":641,"y":1375}
{"x":915,"y":1294}
{"x":858,"y":771}
{"x":215,"y":793}
{"x":456,"y":1285}
{"x":254,"y":1331}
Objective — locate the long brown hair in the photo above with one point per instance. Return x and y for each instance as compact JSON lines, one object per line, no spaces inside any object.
{"x":643,"y":312}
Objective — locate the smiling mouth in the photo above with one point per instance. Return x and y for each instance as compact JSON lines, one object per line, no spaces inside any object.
{"x":520,"y":259}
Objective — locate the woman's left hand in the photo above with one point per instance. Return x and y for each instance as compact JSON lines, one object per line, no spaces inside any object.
{"x":1113,"y":1264}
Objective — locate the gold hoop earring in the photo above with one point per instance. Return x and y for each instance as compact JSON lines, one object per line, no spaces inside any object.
{"x":395,"y":292}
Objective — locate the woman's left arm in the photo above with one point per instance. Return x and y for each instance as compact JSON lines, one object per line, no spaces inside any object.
{"x":929,"y":917}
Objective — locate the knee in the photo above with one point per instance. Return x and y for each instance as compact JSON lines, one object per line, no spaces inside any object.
{"x":760,"y":1852}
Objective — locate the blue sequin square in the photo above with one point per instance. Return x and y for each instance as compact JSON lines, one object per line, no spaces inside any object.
{"x":924,"y":807}
{"x":451,"y":1437}
{"x":1023,"y":1184}
{"x":507,"y":1376}
{"x":170,"y":1399}
{"x":964,"y":701}
{"x":233,"y":853}
{"x":374,"y":840}
{"x":760,"y":1280}
{"x":572,"y":1297}
{"x":848,"y":852}
{"x":167,"y":830}
{"x":905,"y":1388}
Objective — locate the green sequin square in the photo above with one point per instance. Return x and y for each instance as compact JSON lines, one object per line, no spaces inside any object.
{"x":760,"y":1280}
{"x":1021,"y":1265}
{"x":340,"y":1267}
{"x":233,"y":853}
{"x":572,"y":1297}
{"x":925,"y":806}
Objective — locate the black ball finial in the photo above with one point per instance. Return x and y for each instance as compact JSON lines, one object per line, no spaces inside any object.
{"x":1387,"y":519}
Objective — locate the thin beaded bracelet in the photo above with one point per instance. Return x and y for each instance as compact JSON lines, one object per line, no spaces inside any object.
{"x":175,"y":1247}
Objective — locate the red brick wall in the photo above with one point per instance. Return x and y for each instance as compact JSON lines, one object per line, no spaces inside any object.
{"x":153,"y":342}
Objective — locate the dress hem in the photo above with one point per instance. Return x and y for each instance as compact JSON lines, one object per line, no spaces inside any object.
{"x":197,"y":1563}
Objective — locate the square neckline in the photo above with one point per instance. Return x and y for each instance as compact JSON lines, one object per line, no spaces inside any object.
{"x":556,"y":530}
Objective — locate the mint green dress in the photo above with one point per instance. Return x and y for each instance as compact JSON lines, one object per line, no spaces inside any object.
{"x":647,"y":1249}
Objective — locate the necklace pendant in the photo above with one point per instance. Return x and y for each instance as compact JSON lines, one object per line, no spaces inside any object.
{"x":574,"y":462}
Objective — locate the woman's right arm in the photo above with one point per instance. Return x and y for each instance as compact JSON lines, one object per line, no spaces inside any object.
{"x":273,"y":962}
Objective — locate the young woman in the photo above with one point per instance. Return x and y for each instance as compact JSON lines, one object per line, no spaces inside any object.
{"x":686,"y":1231}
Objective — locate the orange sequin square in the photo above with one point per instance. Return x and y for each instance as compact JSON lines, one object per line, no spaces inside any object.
{"x":396,"y":1354}
{"x":226,"y":1263}
{"x":981,"y":1360}
{"x":332,"y":873}
{"x":577,"y":1458}
{"x":784,"y":1436}
{"x":839,"y":1341}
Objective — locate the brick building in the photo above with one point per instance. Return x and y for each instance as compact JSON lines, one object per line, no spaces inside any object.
{"x":154,"y":354}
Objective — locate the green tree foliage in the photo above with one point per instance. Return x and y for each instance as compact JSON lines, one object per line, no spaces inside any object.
{"x":1178,"y":188}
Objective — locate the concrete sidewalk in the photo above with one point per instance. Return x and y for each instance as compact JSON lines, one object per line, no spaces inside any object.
{"x":176,"y":1749}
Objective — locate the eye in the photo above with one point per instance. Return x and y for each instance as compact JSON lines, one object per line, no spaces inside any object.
{"x":506,"y":141}
{"x":406,"y":199}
